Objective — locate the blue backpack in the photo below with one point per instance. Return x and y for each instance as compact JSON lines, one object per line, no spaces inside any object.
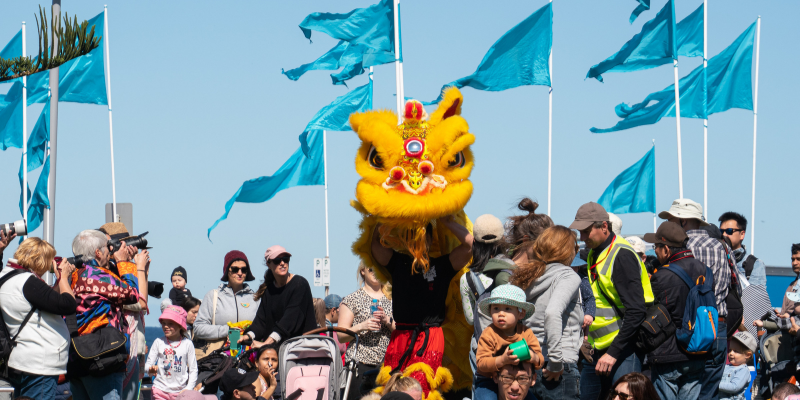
{"x":700,"y":318}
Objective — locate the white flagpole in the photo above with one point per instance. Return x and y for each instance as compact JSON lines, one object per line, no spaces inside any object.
{"x":397,"y":67}
{"x":678,"y":122}
{"x":550,"y":132}
{"x":755,"y":130}
{"x":705,"y":121}
{"x":325,"y":166}
{"x":24,"y":139}
{"x":110,"y":124}
{"x":654,"y":214}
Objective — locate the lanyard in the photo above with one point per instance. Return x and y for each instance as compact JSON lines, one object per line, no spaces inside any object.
{"x":592,"y":271}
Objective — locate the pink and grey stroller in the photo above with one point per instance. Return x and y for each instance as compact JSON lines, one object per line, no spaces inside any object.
{"x":311,"y":367}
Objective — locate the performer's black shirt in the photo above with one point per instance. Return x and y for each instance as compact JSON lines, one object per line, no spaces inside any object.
{"x":418,"y":297}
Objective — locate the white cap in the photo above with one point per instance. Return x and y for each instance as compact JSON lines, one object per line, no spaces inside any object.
{"x":685,"y":209}
{"x":637,"y":243}
{"x":616,"y":224}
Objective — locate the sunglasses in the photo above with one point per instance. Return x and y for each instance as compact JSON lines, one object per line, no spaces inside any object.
{"x":729,"y":231}
{"x":622,"y":396}
{"x":278,"y":260}
{"x":235,"y":270}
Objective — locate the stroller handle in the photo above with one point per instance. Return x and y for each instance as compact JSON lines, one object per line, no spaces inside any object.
{"x":332,"y":329}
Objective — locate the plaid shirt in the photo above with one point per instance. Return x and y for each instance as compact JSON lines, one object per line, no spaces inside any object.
{"x":711,"y":253}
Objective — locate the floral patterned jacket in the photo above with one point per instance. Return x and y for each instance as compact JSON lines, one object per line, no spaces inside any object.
{"x":101,"y":294}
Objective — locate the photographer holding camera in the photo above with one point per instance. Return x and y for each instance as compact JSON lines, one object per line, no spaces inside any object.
{"x":32,"y":312}
{"x":104,"y":284}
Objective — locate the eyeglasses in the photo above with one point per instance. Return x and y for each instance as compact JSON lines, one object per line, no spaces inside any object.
{"x":522,"y":379}
{"x":278,"y":260}
{"x":235,"y":270}
{"x":729,"y":231}
{"x":622,"y":396}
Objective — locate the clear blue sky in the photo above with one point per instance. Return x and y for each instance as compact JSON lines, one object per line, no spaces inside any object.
{"x":200,"y":106}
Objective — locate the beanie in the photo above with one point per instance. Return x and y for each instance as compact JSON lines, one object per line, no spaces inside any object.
{"x":180,"y":271}
{"x":236,"y":255}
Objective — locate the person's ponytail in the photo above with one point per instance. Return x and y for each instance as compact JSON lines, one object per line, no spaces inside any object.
{"x":268,"y":279}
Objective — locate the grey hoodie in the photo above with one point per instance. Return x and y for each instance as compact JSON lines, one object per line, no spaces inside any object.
{"x":558,"y":316}
{"x":242,"y":307}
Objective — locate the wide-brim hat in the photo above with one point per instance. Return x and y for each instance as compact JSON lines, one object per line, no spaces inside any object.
{"x":508,"y":295}
{"x":685,"y":209}
{"x":175,"y":314}
{"x":116,"y":230}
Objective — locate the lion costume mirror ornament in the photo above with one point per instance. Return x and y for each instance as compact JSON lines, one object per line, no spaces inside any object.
{"x":412,"y":175}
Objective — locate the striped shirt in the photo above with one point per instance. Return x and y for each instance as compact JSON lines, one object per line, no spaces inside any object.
{"x":711,"y":253}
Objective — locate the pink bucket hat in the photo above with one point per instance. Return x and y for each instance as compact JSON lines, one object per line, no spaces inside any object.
{"x":275,"y":251}
{"x":175,"y":314}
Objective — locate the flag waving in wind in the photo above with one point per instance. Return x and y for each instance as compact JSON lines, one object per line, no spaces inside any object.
{"x":729,"y":86}
{"x":656,"y":44}
{"x":11,"y":102}
{"x":518,"y":58}
{"x":634,"y":190}
{"x":643,"y":6}
{"x":37,"y":144}
{"x":366,"y":39}
{"x":306,"y":166}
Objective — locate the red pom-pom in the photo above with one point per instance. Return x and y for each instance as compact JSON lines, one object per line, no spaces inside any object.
{"x":413,"y":110}
{"x":426,"y":167}
{"x":397,"y":174}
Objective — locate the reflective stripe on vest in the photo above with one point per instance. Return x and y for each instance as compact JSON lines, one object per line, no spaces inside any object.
{"x":606,"y":324}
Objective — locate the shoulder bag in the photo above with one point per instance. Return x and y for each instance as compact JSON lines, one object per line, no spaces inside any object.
{"x":203,"y":347}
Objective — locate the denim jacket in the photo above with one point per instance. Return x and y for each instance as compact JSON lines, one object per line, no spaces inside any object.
{"x":759,"y":274}
{"x":734,"y":382}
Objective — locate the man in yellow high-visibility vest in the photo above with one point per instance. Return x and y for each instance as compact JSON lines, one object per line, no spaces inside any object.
{"x":617,"y":275}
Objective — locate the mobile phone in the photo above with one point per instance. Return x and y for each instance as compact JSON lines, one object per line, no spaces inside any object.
{"x":233,"y":337}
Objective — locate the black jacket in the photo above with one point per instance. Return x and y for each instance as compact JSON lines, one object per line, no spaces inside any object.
{"x":288,"y":310}
{"x":671,"y":291}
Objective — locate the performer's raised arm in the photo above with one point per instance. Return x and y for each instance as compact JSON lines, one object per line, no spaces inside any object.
{"x":461,"y":255}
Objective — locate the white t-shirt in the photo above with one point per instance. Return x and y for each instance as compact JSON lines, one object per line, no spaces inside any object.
{"x":177,"y":365}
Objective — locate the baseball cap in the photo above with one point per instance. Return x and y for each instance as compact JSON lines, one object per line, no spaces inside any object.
{"x":616,"y":224}
{"x":275,"y":251}
{"x":637,"y":243}
{"x":237,"y":378}
{"x":668,"y":233}
{"x":587,"y":214}
{"x":685,"y":209}
{"x":333,"y":300}
{"x":488,"y":229}
{"x":746,"y":339}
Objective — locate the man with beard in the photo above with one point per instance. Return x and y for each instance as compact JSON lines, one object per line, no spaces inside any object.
{"x":619,"y":280}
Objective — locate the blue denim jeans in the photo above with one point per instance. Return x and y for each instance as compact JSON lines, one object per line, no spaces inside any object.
{"x":715,"y":365}
{"x":131,"y":390}
{"x":33,"y":386}
{"x":678,"y":380}
{"x":594,"y":387}
{"x":486,"y":389}
{"x":567,"y":387}
{"x":107,"y":387}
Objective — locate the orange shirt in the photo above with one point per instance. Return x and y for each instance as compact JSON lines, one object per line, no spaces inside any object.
{"x":492,"y":340}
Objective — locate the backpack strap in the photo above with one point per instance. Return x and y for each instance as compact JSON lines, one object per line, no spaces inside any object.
{"x":677,"y":270}
{"x":749,"y":263}
{"x":471,"y":284}
{"x":5,"y":279}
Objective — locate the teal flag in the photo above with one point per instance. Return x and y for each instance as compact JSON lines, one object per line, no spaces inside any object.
{"x":12,"y":50}
{"x":372,"y":27}
{"x":729,"y":86}
{"x":352,"y":58}
{"x":80,"y":80}
{"x":518,"y":58}
{"x":634,"y":190}
{"x":655,"y":45}
{"x":643,"y":6}
{"x":336,"y":116}
{"x":298,"y":170}
{"x":39,"y":200}
{"x":37,"y":144}
{"x":690,"y":34}
{"x":11,"y":117}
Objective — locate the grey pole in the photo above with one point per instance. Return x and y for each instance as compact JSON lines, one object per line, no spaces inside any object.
{"x":49,"y":220}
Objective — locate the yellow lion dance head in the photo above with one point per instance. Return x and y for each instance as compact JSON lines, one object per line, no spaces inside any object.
{"x":414,"y":173}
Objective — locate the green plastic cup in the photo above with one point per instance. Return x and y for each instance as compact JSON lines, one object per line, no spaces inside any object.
{"x":520,"y":349}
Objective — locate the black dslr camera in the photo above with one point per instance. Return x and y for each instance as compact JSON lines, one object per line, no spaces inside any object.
{"x":136,"y":241}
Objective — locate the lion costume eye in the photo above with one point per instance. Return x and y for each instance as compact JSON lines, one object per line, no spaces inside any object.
{"x":458,"y":160}
{"x":374,"y":159}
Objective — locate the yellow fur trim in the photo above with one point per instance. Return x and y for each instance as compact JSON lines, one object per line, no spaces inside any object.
{"x":383,"y":375}
{"x":443,"y":379}
{"x":432,"y":395}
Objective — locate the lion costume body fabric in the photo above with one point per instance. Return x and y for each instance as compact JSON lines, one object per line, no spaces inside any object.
{"x":412,"y":175}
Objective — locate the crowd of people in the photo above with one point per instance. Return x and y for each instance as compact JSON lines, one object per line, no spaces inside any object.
{"x":551,"y":318}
